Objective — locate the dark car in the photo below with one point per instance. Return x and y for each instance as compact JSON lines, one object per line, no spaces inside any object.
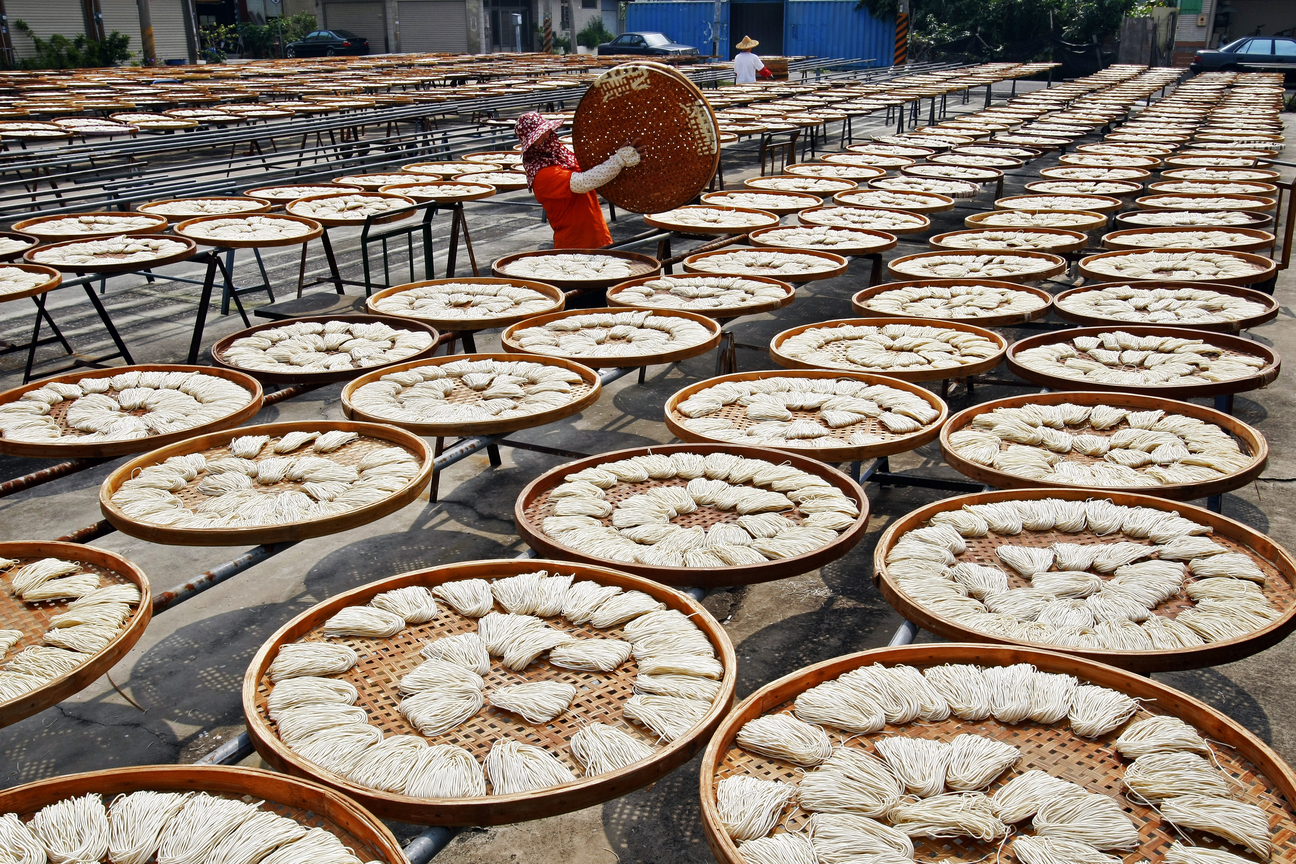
{"x":1252,"y":54}
{"x":328,"y":43}
{"x":645,"y":45}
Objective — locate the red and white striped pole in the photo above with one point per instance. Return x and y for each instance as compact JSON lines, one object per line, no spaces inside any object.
{"x":902,"y":34}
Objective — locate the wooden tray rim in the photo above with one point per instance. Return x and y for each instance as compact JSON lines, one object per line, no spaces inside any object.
{"x":861,"y":307}
{"x":472,"y":325}
{"x":1057,"y":264}
{"x":629,"y":360}
{"x":1270,"y":313}
{"x":723,"y":313}
{"x":25,"y":226}
{"x":131,"y":267}
{"x":315,"y":229}
{"x":633,"y":257}
{"x":1270,"y":267}
{"x":840,"y":264}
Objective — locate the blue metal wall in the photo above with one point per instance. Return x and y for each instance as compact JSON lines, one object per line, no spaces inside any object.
{"x":688,"y":22}
{"x":835,"y":28}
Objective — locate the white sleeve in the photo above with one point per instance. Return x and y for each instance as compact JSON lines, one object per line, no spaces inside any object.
{"x":601,"y":175}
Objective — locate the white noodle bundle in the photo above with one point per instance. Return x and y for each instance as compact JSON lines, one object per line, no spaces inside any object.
{"x":840,"y":838}
{"x":584,"y":597}
{"x":471,"y":597}
{"x":298,"y":659}
{"x":537,"y":701}
{"x":135,"y":823}
{"x":196,"y":830}
{"x":1057,"y":850}
{"x":1022,"y":796}
{"x":783,"y":736}
{"x":83,"y":638}
{"x":681,"y":686}
{"x":514,"y":767}
{"x":414,"y":603}
{"x":1242,"y":824}
{"x":296,"y":692}
{"x":1010,"y":691}
{"x":919,"y":763}
{"x":339,"y":749}
{"x":1159,"y":734}
{"x":932,"y":705}
{"x":1098,"y":710}
{"x":954,"y":814}
{"x":73,"y":830}
{"x":260,"y":834}
{"x":1158,"y":776}
{"x":464,"y":649}
{"x":431,"y":674}
{"x":652,"y":624}
{"x":778,"y":849}
{"x":837,"y":704}
{"x":851,"y":781}
{"x":520,"y":594}
{"x":876,"y":685}
{"x":975,"y":761}
{"x":65,"y":588}
{"x":668,"y":716}
{"x":601,"y":749}
{"x":8,"y":639}
{"x":622,"y":607}
{"x":749,"y":808}
{"x":318,"y":846}
{"x":39,"y":572}
{"x":697,"y":665}
{"x":435,"y":711}
{"x":964,"y":687}
{"x":591,"y":655}
{"x":364,"y":621}
{"x":1180,"y":854}
{"x":298,"y":724}
{"x":18,"y":842}
{"x":446,"y":771}
{"x":1089,"y":818}
{"x":1050,"y":696}
{"x":387,"y":765}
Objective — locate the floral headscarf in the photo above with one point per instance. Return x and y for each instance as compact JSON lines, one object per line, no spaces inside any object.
{"x":537,"y":154}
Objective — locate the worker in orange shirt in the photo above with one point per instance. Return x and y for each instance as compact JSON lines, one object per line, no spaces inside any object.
{"x":566,"y":192}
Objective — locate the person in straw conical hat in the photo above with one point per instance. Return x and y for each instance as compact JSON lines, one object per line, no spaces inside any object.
{"x":747,"y":64}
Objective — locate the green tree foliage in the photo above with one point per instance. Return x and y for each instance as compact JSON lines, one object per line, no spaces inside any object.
{"x":594,"y":34}
{"x":259,"y":39}
{"x":79,"y":52}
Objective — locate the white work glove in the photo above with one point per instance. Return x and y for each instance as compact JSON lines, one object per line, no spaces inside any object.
{"x":601,"y":175}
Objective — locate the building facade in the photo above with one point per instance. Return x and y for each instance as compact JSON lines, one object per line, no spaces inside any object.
{"x":173,"y":21}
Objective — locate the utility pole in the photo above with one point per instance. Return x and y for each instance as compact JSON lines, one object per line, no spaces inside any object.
{"x":902,"y":34}
{"x":146,"y":32}
{"x":715,"y":30}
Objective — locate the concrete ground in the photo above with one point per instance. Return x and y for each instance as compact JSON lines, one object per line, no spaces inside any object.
{"x":186,"y":671}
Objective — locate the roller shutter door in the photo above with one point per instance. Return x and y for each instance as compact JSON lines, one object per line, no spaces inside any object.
{"x":365,"y":19}
{"x":433,"y":25}
{"x":47,"y":17}
{"x":123,"y":16}
{"x":169,"y":36}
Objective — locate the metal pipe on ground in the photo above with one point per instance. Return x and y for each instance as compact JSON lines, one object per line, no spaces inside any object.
{"x":45,"y":475}
{"x":217,"y":575}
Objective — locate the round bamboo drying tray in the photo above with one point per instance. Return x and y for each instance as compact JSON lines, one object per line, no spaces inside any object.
{"x":843,"y":451}
{"x":1254,"y":221}
{"x":1091,"y":763}
{"x":833,"y":265}
{"x":870,"y":242}
{"x":512,"y":346}
{"x":1257,"y":239}
{"x":15,"y":236}
{"x":860,"y":301}
{"x":313,"y":230}
{"x":261,"y":206}
{"x":378,"y":675}
{"x":556,"y":297}
{"x":1063,"y":172}
{"x":1207,"y":160}
{"x":35,"y":227}
{"x":214,"y":445}
{"x":310,"y":804}
{"x":1092,"y":203}
{"x":583,"y":395}
{"x":658,"y":220}
{"x":1258,"y":175}
{"x":1168,"y":201}
{"x":795,"y":201}
{"x":1065,"y":240}
{"x":985,"y":220}
{"x":534,"y":505}
{"x":640,"y":265}
{"x":405,"y":211}
{"x":978,"y":174}
{"x":502,"y":181}
{"x":920,"y":202}
{"x":441,"y":192}
{"x":73,"y":449}
{"x":668,"y":115}
{"x":719,"y":313}
{"x":1266,"y":266}
{"x":838,"y":170}
{"x":54,"y":280}
{"x":820,"y":216}
{"x":821,"y":186}
{"x":33,"y":620}
{"x":291,"y":376}
{"x":189,"y":251}
{"x":1230,"y":345}
{"x":276,"y":196}
{"x":789,"y":362}
{"x":1274,"y":560}
{"x":1054,"y":265}
{"x":1109,"y":160}
{"x":1207,"y":187}
{"x":1271,"y":305}
{"x":1253,"y":444}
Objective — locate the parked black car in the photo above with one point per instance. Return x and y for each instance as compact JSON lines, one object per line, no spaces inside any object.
{"x":1252,"y":54}
{"x":328,"y":43}
{"x":645,"y":45}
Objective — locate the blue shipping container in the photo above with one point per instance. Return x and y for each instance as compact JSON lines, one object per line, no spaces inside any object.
{"x":689,"y":22}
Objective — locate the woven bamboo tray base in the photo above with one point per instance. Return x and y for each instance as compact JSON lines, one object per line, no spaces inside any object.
{"x":837,"y":353}
{"x":640,"y":265}
{"x":1272,"y":559}
{"x":1054,"y":749}
{"x":600,"y":698}
{"x":33,"y":619}
{"x":309,"y":804}
{"x":719,"y":313}
{"x":482,"y":322}
{"x":109,"y":264}
{"x":842,"y":450}
{"x":1267,"y":300}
